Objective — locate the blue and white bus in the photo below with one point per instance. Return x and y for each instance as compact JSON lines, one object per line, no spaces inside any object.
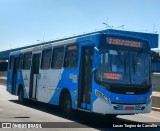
{"x":100,"y":73}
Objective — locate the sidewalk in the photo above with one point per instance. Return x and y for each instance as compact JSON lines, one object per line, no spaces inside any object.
{"x":3,"y":80}
{"x":156,"y":101}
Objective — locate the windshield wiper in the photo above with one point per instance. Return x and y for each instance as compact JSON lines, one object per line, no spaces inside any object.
{"x":144,"y":82}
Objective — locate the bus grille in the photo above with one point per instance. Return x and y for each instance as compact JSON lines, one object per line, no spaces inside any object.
{"x":129,"y":107}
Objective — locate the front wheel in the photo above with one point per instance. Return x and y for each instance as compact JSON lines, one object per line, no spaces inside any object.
{"x":66,"y":105}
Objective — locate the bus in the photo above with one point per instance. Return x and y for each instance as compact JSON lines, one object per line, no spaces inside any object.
{"x":100,"y":73}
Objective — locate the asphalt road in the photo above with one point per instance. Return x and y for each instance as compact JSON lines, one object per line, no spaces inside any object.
{"x":12,"y":111}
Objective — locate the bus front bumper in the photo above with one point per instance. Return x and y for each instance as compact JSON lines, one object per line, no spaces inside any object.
{"x":102,"y":107}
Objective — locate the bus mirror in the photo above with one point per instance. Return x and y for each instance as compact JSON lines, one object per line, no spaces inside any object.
{"x":96,"y":59}
{"x":96,"y":49}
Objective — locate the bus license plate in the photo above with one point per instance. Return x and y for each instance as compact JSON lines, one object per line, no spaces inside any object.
{"x":129,"y":108}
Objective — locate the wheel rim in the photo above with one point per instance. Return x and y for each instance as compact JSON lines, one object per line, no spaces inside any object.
{"x":67,"y":106}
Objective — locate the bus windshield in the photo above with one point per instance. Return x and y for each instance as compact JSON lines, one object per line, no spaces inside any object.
{"x":119,"y":66}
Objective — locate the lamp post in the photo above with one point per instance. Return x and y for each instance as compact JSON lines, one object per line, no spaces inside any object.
{"x":111,"y":27}
{"x":108,"y":25}
{"x":120,"y":26}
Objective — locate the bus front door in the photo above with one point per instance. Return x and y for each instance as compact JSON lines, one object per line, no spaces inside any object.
{"x":34,"y":75}
{"x":85,"y":78}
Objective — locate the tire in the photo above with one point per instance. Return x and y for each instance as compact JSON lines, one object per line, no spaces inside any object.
{"x":66,"y":105}
{"x":21,"y":98}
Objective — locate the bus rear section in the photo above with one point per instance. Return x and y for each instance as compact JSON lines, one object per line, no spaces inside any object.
{"x":12,"y":73}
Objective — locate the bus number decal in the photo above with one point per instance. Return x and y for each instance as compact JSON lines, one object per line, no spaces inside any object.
{"x":101,"y":96}
{"x":73,"y":77}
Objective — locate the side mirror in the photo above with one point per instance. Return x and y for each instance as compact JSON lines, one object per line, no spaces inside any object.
{"x":96,"y":49}
{"x":96,"y":59}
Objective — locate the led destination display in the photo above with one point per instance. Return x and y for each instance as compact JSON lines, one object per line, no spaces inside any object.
{"x":124,"y":42}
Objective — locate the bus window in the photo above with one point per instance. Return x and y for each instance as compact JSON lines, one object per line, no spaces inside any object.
{"x":11,"y":63}
{"x":27,"y":61}
{"x":71,"y":56}
{"x":46,"y":59}
{"x":20,"y":61}
{"x":17,"y":62}
{"x":57,"y":58}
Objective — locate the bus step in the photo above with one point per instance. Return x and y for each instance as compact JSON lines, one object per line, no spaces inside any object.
{"x":83,"y":110}
{"x":33,"y":99}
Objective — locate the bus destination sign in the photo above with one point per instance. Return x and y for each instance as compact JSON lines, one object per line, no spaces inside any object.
{"x":113,"y":76}
{"x":123,"y":42}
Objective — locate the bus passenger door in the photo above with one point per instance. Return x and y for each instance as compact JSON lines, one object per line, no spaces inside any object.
{"x":85,"y":77}
{"x":34,"y":75}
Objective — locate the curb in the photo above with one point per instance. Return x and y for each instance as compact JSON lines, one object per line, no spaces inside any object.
{"x":2,"y":81}
{"x":156,"y":109}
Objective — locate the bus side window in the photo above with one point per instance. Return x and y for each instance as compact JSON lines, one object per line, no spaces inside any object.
{"x":11,"y":62}
{"x":46,"y":59}
{"x":17,"y":62}
{"x":20,"y":61}
{"x":27,"y":61}
{"x":71,"y":56}
{"x":57,"y":58}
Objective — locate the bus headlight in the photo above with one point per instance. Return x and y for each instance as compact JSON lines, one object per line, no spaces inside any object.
{"x":106,"y":98}
{"x":149,"y":99}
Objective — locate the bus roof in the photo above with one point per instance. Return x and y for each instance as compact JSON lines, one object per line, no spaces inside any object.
{"x":57,"y":43}
{"x":70,"y":41}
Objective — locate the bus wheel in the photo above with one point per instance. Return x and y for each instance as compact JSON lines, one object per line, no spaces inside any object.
{"x":66,"y":105}
{"x":21,"y":97}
